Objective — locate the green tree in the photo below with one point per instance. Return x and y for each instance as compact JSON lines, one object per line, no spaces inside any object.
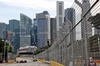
{"x":41,"y":49}
{"x":10,"y":48}
{"x":1,"y":46}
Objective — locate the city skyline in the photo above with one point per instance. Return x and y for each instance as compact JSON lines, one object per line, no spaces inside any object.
{"x":11,"y":10}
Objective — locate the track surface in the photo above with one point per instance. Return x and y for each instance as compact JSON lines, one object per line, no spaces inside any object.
{"x":29,"y":63}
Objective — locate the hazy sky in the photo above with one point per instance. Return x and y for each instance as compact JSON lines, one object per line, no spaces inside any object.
{"x":11,"y":9}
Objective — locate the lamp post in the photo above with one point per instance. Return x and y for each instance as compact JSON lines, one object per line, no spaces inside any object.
{"x":4,"y":48}
{"x":9,"y":43}
{"x":8,"y":53}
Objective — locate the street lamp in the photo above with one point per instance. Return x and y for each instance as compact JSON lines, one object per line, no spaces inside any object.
{"x":9,"y":43}
{"x":4,"y":48}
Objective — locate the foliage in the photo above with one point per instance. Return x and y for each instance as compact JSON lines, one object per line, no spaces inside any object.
{"x":10,"y":48}
{"x":1,"y":46}
{"x":36,"y":52}
{"x":41,"y":49}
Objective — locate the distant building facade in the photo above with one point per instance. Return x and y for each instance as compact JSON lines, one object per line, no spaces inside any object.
{"x":25,"y":24}
{"x":70,"y":15}
{"x":60,"y":15}
{"x":25,"y":40}
{"x":34,"y":33}
{"x":7,"y":27}
{"x":43,"y":29}
{"x":14,"y":27}
{"x":25,"y":30}
{"x":32,"y":36}
{"x":86,"y":6}
{"x":2,"y":29}
{"x":53,"y":29}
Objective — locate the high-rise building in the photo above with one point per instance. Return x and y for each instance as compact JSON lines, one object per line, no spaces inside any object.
{"x":25,"y":40}
{"x":14,"y":27}
{"x":25,"y":24}
{"x":2,"y":29}
{"x":34,"y":33}
{"x":43,"y":28}
{"x":13,"y":24}
{"x":25,"y":30}
{"x":7,"y":27}
{"x":16,"y":40}
{"x":53,"y":29}
{"x":60,"y":15}
{"x":86,"y":6}
{"x":88,"y":26}
{"x":32,"y":36}
{"x":70,"y":15}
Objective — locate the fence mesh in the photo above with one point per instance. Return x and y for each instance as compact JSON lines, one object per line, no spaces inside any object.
{"x":76,"y":43}
{"x":1,"y":56}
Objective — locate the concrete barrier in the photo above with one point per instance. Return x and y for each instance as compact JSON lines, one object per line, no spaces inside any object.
{"x":97,"y":61}
{"x":24,"y":57}
{"x":11,"y":61}
{"x":18,"y":57}
{"x":53,"y":63}
{"x":40,"y":60}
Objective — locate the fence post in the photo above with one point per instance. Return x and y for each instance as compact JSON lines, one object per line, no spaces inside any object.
{"x":85,"y":40}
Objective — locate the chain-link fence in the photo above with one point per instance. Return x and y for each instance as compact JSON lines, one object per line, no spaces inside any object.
{"x":76,"y":43}
{"x":1,"y":57}
{"x":11,"y":56}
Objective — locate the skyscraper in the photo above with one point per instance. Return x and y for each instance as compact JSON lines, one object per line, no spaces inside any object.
{"x":88,"y":27}
{"x":43,"y":28}
{"x":25,"y":40}
{"x":25,"y":23}
{"x":25,"y":30}
{"x":86,"y":6}
{"x":34,"y":33}
{"x":60,"y":14}
{"x":32,"y":36}
{"x":70,"y":15}
{"x":2,"y":29}
{"x":14,"y":27}
{"x":7,"y":27}
{"x":53,"y":29}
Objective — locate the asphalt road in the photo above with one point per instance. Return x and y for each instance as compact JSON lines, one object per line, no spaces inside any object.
{"x":29,"y":63}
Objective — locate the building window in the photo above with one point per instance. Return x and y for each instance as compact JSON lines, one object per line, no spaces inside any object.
{"x":60,"y":9}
